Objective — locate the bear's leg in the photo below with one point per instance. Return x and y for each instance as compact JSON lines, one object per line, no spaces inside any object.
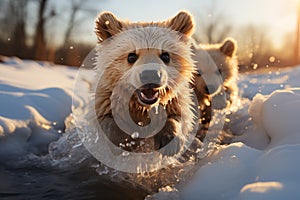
{"x":171,"y":132}
{"x":123,"y":140}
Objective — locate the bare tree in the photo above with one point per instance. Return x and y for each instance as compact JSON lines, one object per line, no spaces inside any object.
{"x":19,"y":33}
{"x":75,"y":7}
{"x":286,"y":54}
{"x":13,"y":25}
{"x":212,"y":27}
{"x":40,"y":46}
{"x":39,"y":40}
{"x":255,"y":47}
{"x":69,"y":52}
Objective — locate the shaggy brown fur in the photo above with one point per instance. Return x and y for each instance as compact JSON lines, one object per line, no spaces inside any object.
{"x":124,"y":50}
{"x":217,"y":73}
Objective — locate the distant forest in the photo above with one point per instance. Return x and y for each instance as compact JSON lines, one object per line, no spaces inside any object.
{"x":27,"y":31}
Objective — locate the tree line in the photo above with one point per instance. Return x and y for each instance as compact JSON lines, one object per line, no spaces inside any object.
{"x":25,"y":30}
{"x":28,"y":29}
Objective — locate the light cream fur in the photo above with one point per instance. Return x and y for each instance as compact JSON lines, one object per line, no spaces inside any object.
{"x":118,"y":38}
{"x":217,"y":71}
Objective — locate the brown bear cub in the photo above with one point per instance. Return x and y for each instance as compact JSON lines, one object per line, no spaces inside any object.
{"x":215,"y":82}
{"x":146,"y":70}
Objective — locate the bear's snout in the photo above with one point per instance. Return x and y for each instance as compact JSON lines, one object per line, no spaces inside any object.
{"x":151,"y":77}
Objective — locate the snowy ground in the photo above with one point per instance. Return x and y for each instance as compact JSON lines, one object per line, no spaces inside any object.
{"x":35,"y":100}
{"x":262,"y":163}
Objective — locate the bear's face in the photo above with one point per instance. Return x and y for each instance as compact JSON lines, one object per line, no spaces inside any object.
{"x":216,"y":65}
{"x":152,"y":58}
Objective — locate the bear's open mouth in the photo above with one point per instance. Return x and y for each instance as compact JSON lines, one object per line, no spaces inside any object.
{"x":148,"y":94}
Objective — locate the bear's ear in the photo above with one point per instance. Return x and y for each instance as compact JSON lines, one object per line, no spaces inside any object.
{"x":183,"y":23}
{"x":107,"y":25}
{"x":228,"y":47}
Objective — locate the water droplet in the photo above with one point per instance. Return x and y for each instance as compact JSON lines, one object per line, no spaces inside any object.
{"x":76,"y":145}
{"x":59,"y":131}
{"x":128,"y":144}
{"x":156,"y":109}
{"x":102,"y":171}
{"x":121,"y":145}
{"x":135,"y":135}
{"x":97,"y":138}
{"x":125,"y":153}
{"x":227,"y":120}
{"x":272,"y":59}
{"x":140,"y":123}
{"x":71,"y":47}
{"x":255,"y":66}
{"x":54,"y":123}
{"x":206,"y":102}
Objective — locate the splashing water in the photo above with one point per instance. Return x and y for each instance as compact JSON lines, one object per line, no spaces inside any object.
{"x":156,"y":109}
{"x":135,"y":135}
{"x":69,"y":152}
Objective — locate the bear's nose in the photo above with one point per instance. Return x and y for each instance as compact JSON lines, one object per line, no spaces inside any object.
{"x":150,"y":76}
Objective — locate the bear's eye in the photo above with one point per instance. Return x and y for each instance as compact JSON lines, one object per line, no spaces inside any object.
{"x":165,"y":57}
{"x":132,"y":57}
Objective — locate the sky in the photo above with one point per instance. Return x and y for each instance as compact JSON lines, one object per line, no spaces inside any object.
{"x":277,"y":16}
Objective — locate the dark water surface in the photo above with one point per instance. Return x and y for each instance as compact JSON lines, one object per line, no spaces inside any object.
{"x":41,"y":184}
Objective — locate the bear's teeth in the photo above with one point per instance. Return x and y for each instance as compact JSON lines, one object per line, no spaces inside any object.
{"x":151,"y":98}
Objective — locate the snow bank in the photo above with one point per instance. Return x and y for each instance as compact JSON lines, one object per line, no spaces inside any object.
{"x":238,"y":171}
{"x":266,"y":83}
{"x":262,"y":163}
{"x":35,"y":99}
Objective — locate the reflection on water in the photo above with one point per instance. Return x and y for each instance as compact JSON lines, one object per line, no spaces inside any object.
{"x":36,"y":184}
{"x":70,"y":172}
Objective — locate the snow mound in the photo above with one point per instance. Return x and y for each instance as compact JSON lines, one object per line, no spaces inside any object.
{"x":238,"y":171}
{"x":279,"y":116}
{"x":35,"y":100}
{"x":262,"y":163}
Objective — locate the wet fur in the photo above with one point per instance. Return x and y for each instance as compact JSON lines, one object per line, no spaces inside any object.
{"x":223,"y":61}
{"x":148,"y":40}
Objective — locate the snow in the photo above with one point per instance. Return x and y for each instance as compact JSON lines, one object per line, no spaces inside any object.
{"x":262,"y":163}
{"x":268,"y":167}
{"x":35,"y":100}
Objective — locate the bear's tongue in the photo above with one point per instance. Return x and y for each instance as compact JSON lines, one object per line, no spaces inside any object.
{"x":149,"y":94}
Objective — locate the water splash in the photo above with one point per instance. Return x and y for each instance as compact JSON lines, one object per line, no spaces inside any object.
{"x":156,"y":109}
{"x":135,"y":135}
{"x":125,"y":153}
